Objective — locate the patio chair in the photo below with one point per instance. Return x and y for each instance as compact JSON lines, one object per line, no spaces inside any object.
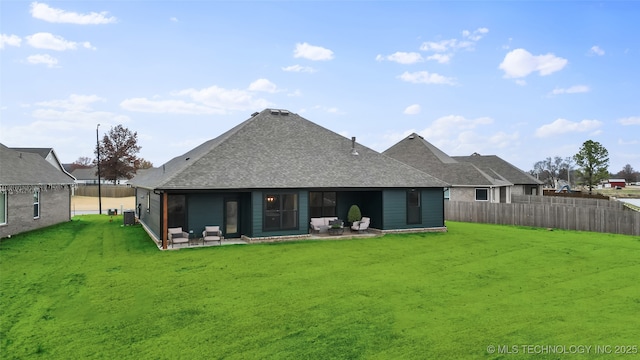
{"x":362,"y":225}
{"x":212,"y":233}
{"x":177,"y":236}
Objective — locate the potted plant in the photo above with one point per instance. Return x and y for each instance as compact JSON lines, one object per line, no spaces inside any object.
{"x":354,"y":214}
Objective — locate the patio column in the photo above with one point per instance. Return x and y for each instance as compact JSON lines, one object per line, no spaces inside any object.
{"x":165,"y":219}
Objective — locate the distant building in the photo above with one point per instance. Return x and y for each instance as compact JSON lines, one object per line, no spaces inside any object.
{"x":613,"y":183}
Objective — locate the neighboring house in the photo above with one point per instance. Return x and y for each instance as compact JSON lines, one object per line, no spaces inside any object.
{"x":468,"y":182}
{"x":268,"y":176}
{"x":523,"y":183}
{"x":48,"y":154}
{"x":33,"y":192}
{"x":88,"y":176}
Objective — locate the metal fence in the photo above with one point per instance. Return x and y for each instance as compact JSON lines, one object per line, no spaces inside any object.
{"x":595,"y":215}
{"x":105,"y":190}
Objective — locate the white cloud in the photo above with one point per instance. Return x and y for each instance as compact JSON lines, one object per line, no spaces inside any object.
{"x":74,"y":102}
{"x":174,"y":19}
{"x":44,"y":12}
{"x":311,"y":52}
{"x":521,"y":82}
{"x":571,"y":90}
{"x":412,"y":109}
{"x":632,"y":120}
{"x":520,"y":63}
{"x":49,"y":41}
{"x":441,"y":58}
{"x":46,"y":59}
{"x":10,"y":40}
{"x":167,"y":106}
{"x":562,"y":126}
{"x":476,"y":34}
{"x":455,"y":44}
{"x":596,"y":50}
{"x":402,"y":57}
{"x":424,"y":77}
{"x":211,"y":100}
{"x":630,"y":142}
{"x":299,"y":68}
{"x":457,"y":135}
{"x":439,"y":46}
{"x":263,"y":85}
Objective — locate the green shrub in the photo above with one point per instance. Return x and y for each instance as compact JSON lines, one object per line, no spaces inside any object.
{"x":354,"y":214}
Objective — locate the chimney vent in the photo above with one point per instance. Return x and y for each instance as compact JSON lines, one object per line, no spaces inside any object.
{"x":353,"y":146}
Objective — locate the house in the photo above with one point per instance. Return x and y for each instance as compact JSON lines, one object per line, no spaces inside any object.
{"x":89,"y":176}
{"x":34,"y":193}
{"x":523,"y":183}
{"x":268,"y":176}
{"x":470,"y":181}
{"x":48,"y":154}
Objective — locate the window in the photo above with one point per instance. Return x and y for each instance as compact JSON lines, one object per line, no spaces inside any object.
{"x":36,"y":204}
{"x":447,"y":193}
{"x":148,"y":201}
{"x":414,"y":215}
{"x":3,"y":208}
{"x":280,"y":212}
{"x":322,"y":204}
{"x":176,"y":210}
{"x":482,"y":194}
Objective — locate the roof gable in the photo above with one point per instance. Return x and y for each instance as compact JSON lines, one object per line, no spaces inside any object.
{"x":28,"y":168}
{"x":419,"y":153}
{"x":279,"y":149}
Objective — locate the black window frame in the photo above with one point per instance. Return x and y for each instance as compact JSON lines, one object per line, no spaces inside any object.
{"x":279,"y":201}
{"x":324,"y":211}
{"x":414,"y":207}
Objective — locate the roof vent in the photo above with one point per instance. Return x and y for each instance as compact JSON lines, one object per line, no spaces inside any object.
{"x":353,"y":146}
{"x":284,"y":112}
{"x":411,"y":137}
{"x":275,"y":112}
{"x":254,"y":114}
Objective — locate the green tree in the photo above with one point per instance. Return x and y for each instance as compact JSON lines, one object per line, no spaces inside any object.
{"x":118,"y":154}
{"x":593,"y":159}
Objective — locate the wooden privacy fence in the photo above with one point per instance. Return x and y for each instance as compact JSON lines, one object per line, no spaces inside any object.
{"x":583,"y":218}
{"x":105,"y":190}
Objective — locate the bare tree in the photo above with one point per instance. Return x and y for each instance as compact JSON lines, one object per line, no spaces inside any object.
{"x":83,"y":162}
{"x":118,"y":150}
{"x":550,"y":169}
{"x":628,"y":174}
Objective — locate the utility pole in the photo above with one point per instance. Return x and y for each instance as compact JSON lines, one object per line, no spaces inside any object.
{"x":99,"y":181}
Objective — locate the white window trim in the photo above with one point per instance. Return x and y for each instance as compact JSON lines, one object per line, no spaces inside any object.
{"x":6,"y":208}
{"x":488,"y":190}
{"x":37,"y":192}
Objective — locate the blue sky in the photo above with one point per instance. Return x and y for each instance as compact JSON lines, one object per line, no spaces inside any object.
{"x":521,"y":80}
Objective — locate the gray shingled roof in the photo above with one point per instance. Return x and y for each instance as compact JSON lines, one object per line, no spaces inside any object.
{"x":421,"y":154}
{"x":85,"y":173}
{"x":279,"y":149}
{"x":28,"y":168}
{"x":492,"y":163}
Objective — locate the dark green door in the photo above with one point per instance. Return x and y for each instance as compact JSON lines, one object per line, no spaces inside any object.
{"x":231,"y":218}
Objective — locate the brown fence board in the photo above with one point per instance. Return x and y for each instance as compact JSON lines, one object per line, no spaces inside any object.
{"x":597,"y":217}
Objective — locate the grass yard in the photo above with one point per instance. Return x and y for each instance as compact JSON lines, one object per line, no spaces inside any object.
{"x":91,"y":289}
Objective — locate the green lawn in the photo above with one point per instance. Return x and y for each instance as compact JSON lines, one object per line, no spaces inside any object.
{"x":94,"y":289}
